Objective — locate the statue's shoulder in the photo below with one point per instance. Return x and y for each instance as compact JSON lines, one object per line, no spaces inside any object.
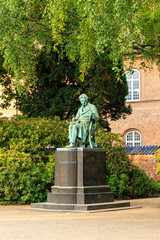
{"x":91,"y":105}
{"x":79,"y":108}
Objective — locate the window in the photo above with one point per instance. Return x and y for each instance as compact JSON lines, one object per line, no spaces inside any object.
{"x":133,"y":139}
{"x":133,"y":80}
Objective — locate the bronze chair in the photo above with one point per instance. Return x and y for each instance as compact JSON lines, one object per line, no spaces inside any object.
{"x":91,"y":134}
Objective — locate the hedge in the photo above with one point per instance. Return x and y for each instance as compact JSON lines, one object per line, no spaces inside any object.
{"x":26,"y":166}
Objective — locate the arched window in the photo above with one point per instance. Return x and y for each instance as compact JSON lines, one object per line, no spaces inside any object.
{"x":133,"y":80}
{"x":133,"y":139}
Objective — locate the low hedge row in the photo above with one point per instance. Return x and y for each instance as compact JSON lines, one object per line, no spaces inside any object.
{"x":27,"y":167}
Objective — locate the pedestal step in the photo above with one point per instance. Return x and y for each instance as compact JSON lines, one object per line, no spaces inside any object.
{"x":87,"y":198}
{"x":81,"y":207}
{"x":80,"y":195}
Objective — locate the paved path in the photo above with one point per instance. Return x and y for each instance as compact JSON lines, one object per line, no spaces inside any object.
{"x":16,"y":223}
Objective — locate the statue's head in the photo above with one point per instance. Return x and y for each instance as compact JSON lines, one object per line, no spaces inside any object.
{"x":83,"y":99}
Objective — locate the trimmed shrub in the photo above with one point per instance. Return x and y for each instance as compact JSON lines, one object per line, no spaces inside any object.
{"x":24,"y":178}
{"x":32,"y":134}
{"x":26,"y":166}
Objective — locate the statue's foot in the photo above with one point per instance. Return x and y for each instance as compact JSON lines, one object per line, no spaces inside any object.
{"x":71,"y":145}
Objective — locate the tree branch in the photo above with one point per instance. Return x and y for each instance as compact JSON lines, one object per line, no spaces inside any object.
{"x":142,"y":47}
{"x":68,"y":33}
{"x":78,"y":19}
{"x":41,"y":24}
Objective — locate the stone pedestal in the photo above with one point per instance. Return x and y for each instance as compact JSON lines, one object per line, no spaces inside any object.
{"x":80,"y":182}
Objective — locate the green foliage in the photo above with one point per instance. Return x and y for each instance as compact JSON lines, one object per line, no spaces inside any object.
{"x":32,"y":135}
{"x":46,"y":46}
{"x":125,"y":179}
{"x":158,"y":161}
{"x":83,"y":29}
{"x":25,"y":177}
{"x":26,"y":166}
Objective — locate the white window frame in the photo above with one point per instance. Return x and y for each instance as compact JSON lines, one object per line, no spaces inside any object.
{"x":133,"y":142}
{"x":132,"y":90}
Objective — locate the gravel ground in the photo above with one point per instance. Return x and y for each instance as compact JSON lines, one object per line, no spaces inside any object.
{"x":17,"y":223}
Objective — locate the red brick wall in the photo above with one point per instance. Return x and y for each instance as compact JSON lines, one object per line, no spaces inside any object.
{"x":145,"y":116}
{"x":147,"y":163}
{"x":149,"y":80}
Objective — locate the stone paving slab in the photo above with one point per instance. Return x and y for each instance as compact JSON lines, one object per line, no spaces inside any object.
{"x":17,"y":223}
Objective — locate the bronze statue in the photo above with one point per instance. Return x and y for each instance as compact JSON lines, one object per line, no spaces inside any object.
{"x":81,"y":123}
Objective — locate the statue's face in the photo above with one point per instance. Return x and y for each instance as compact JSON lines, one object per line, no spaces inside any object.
{"x":83,"y":101}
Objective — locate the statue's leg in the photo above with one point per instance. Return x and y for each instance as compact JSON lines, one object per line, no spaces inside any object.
{"x":70,"y":132}
{"x":74,"y":133}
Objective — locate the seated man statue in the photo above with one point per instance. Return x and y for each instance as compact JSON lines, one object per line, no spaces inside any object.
{"x":79,"y":127}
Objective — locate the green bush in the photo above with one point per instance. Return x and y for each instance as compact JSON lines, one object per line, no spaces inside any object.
{"x":24,"y":178}
{"x":32,"y":134}
{"x":158,"y":161}
{"x":27,"y":167}
{"x":125,"y":179}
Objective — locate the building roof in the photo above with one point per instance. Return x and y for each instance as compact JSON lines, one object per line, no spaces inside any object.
{"x":141,"y":150}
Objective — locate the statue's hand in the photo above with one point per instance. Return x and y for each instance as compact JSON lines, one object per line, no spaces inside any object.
{"x":91,"y":118}
{"x":73,"y":119}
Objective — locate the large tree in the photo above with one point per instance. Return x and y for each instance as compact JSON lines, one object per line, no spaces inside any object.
{"x":58,"y":87}
{"x":82,"y":29}
{"x":92,"y":37}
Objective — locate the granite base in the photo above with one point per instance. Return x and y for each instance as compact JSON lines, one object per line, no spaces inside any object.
{"x":80,"y":182}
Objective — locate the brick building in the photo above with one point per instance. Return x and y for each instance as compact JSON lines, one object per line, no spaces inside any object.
{"x":142,"y":127}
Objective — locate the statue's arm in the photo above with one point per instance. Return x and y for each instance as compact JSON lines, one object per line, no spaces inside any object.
{"x":77,"y":116}
{"x":95,"y":114}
